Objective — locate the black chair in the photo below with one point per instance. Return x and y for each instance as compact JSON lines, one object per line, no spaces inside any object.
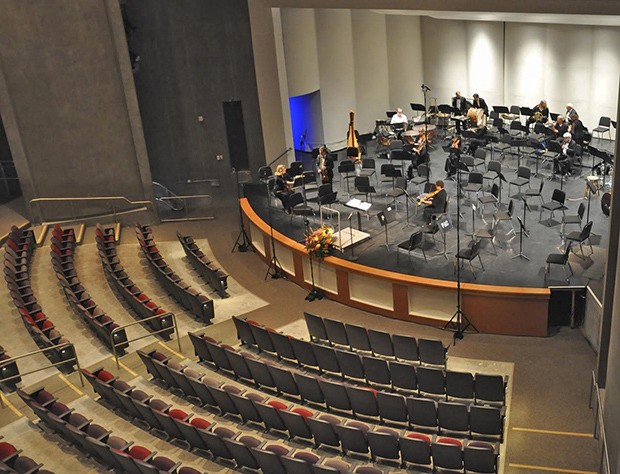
{"x":604,"y":126}
{"x":405,"y":348}
{"x":487,"y":421}
{"x":422,"y":413}
{"x":532,"y":192}
{"x":403,"y":377}
{"x":453,"y":417}
{"x":415,"y":241}
{"x":346,"y":169}
{"x":474,"y":183}
{"x":304,"y":353}
{"x":264,"y":173}
{"x":327,"y":195}
{"x":310,"y":389}
{"x":336,"y":396}
{"x":580,"y":237}
{"x":377,"y":372}
{"x":481,"y":457}
{"x":573,"y":219}
{"x":459,"y":385}
{"x":363,"y":402}
{"x":501,"y":216}
{"x":316,"y":327}
{"x":447,"y":454}
{"x":363,"y":186}
{"x":432,"y":352}
{"x":392,"y":407}
{"x":423,"y":176}
{"x":380,"y":343}
{"x":383,"y":444}
{"x":369,"y":167}
{"x":469,"y":254}
{"x":431,"y":382}
{"x":390,"y":172}
{"x":350,"y":365}
{"x":559,"y":259}
{"x":490,"y":389}
{"x":323,"y":431}
{"x":298,"y":206}
{"x":492,"y":198}
{"x":522,"y":178}
{"x":415,"y":448}
{"x":358,"y":337}
{"x":556,"y":204}
{"x":336,"y":333}
{"x":352,"y":439}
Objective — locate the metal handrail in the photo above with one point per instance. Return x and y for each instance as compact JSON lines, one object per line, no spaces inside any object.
{"x":55,"y":364}
{"x":151,"y":333}
{"x":599,"y":427}
{"x":187,"y":218}
{"x":72,"y":200}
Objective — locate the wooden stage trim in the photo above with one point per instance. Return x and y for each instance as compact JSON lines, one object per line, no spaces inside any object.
{"x":492,"y":309}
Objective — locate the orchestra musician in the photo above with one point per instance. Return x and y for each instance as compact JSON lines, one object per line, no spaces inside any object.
{"x":480,"y":103}
{"x":571,"y":113}
{"x":563,"y":161}
{"x":459,"y":102}
{"x":476,"y":123}
{"x":325,"y":165}
{"x":435,"y":201}
{"x":399,"y":122}
{"x":578,"y":129}
{"x":541,"y":113}
{"x":453,"y":157}
{"x":560,"y":127}
{"x":282,"y":187}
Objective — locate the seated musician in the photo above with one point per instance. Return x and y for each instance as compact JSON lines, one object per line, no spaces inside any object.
{"x":480,"y":103}
{"x":563,"y":162}
{"x":325,"y":165}
{"x":476,"y":123}
{"x":560,"y":127}
{"x":282,"y":187}
{"x":453,"y":157}
{"x":578,"y":129}
{"x":435,"y":201}
{"x":399,"y":121}
{"x":541,"y":113}
{"x":459,"y":102}
{"x":571,"y":113}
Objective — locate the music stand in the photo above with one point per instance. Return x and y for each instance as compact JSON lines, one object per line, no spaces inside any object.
{"x":353,"y":258}
{"x":523,"y":230}
{"x":501,"y":178}
{"x":445,"y":224}
{"x":459,"y":322}
{"x":385,"y":218}
{"x":526,"y":208}
{"x":407,"y":199}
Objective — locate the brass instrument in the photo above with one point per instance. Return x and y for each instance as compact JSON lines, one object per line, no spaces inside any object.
{"x":385,"y":140}
{"x":537,"y":117}
{"x":352,"y":140}
{"x":428,"y":196}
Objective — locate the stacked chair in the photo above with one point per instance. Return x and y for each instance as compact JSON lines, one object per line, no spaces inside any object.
{"x":63,"y":252}
{"x":213,"y":275}
{"x":131,"y":293}
{"x":17,"y":258}
{"x":95,"y":440}
{"x":199,"y":305}
{"x":350,"y":436}
{"x":12,"y":460}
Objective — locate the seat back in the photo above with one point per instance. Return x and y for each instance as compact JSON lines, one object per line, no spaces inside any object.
{"x":604,"y":122}
{"x":475,"y":178}
{"x":511,"y":206}
{"x":524,"y":172}
{"x":585,"y":232}
{"x":558,"y":196}
{"x":475,"y":249}
{"x":295,"y":200}
{"x":495,"y":190}
{"x":401,"y":183}
{"x":416,"y":240}
{"x":495,"y":166}
{"x":423,"y":171}
{"x":581,"y":210}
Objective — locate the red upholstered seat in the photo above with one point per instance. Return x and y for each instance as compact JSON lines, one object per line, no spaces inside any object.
{"x":200,"y":423}
{"x":105,"y":376}
{"x":452,"y":441}
{"x":6,"y":449}
{"x":178,"y":414}
{"x":277,"y":404}
{"x":303,"y":412}
{"x":421,"y":437}
{"x":139,"y":452}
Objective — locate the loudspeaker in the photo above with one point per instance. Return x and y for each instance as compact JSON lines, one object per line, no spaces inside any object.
{"x":235,"y":134}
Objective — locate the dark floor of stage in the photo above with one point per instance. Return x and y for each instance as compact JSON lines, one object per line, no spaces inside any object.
{"x":500,"y":269}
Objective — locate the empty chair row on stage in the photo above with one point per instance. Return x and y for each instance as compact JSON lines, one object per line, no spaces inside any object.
{"x":425,"y":351}
{"x":142,"y":305}
{"x":351,"y":400}
{"x":95,"y":440}
{"x":63,"y":253}
{"x":377,"y":372}
{"x":350,"y":436}
{"x":201,"y":306}
{"x":207,"y":269}
{"x":13,"y":461}
{"x":17,"y":258}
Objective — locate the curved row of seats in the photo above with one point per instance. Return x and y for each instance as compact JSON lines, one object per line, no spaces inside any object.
{"x":213,"y":275}
{"x":196,"y":433}
{"x":374,"y":371}
{"x":199,"y":305}
{"x":62,"y":252}
{"x":349,"y":436}
{"x":131,"y":293}
{"x":12,"y":460}
{"x":19,"y":250}
{"x":8,"y":370}
{"x":359,"y":402}
{"x":381,"y":343}
{"x":97,"y":441}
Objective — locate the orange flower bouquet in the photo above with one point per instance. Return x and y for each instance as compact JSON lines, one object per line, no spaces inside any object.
{"x":319,"y":242}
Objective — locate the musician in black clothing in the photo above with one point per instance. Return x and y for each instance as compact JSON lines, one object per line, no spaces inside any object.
{"x":578,"y":130}
{"x":435,"y":202}
{"x":282,"y":187}
{"x":325,"y":165}
{"x":560,"y":127}
{"x":459,"y":102}
{"x":541,"y":113}
{"x":480,"y":103}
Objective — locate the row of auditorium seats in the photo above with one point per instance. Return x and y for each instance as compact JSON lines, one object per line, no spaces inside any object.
{"x":95,"y":440}
{"x":194,"y":432}
{"x":199,"y":305}
{"x":8,"y":370}
{"x":374,"y":371}
{"x":19,"y":250}
{"x":131,"y":293}
{"x":381,"y":343}
{"x":349,"y":436}
{"x":359,"y":402}
{"x":62,"y":252}
{"x":12,"y":460}
{"x":213,"y":275}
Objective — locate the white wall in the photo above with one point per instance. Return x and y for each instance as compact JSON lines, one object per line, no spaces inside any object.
{"x":370,"y":62}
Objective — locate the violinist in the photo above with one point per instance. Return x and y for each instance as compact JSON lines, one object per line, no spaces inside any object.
{"x":419,"y":152}
{"x":282,"y":187}
{"x":435,"y":201}
{"x":453,"y":157}
{"x":325,"y":165}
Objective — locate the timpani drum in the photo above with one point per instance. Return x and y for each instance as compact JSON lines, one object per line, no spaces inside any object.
{"x":410,"y":136}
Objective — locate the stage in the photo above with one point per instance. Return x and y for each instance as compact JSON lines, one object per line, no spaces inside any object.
{"x":503,"y":273}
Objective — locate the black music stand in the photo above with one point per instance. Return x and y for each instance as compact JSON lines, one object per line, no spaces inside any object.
{"x":473,"y":222}
{"x":275,"y":269}
{"x":385,"y":218}
{"x":445,"y":224}
{"x":407,"y":199}
{"x":459,"y":322}
{"x":522,"y":231}
{"x":353,"y":257}
{"x":243,"y":242}
{"x":502,"y":178}
{"x":315,"y":293}
{"x":526,"y":208}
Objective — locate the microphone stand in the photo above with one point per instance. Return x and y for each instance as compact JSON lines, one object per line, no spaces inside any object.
{"x":352,"y":258}
{"x":315,"y":293}
{"x":424,"y":91}
{"x":243,"y":242}
{"x":275,"y":268}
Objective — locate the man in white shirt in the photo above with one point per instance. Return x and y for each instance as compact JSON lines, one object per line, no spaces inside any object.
{"x":398,"y":117}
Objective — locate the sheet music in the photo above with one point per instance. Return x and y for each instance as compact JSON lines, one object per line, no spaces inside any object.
{"x":358,"y":204}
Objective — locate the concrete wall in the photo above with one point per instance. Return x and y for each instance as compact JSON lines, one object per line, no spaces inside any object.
{"x":194,"y":56}
{"x":68,"y":103}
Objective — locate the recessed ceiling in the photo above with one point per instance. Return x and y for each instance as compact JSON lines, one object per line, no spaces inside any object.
{"x":550,"y":18}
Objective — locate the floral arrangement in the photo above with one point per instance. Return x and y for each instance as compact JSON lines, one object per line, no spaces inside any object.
{"x":320,"y":242}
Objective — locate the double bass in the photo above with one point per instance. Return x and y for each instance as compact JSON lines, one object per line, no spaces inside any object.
{"x":352,"y":141}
